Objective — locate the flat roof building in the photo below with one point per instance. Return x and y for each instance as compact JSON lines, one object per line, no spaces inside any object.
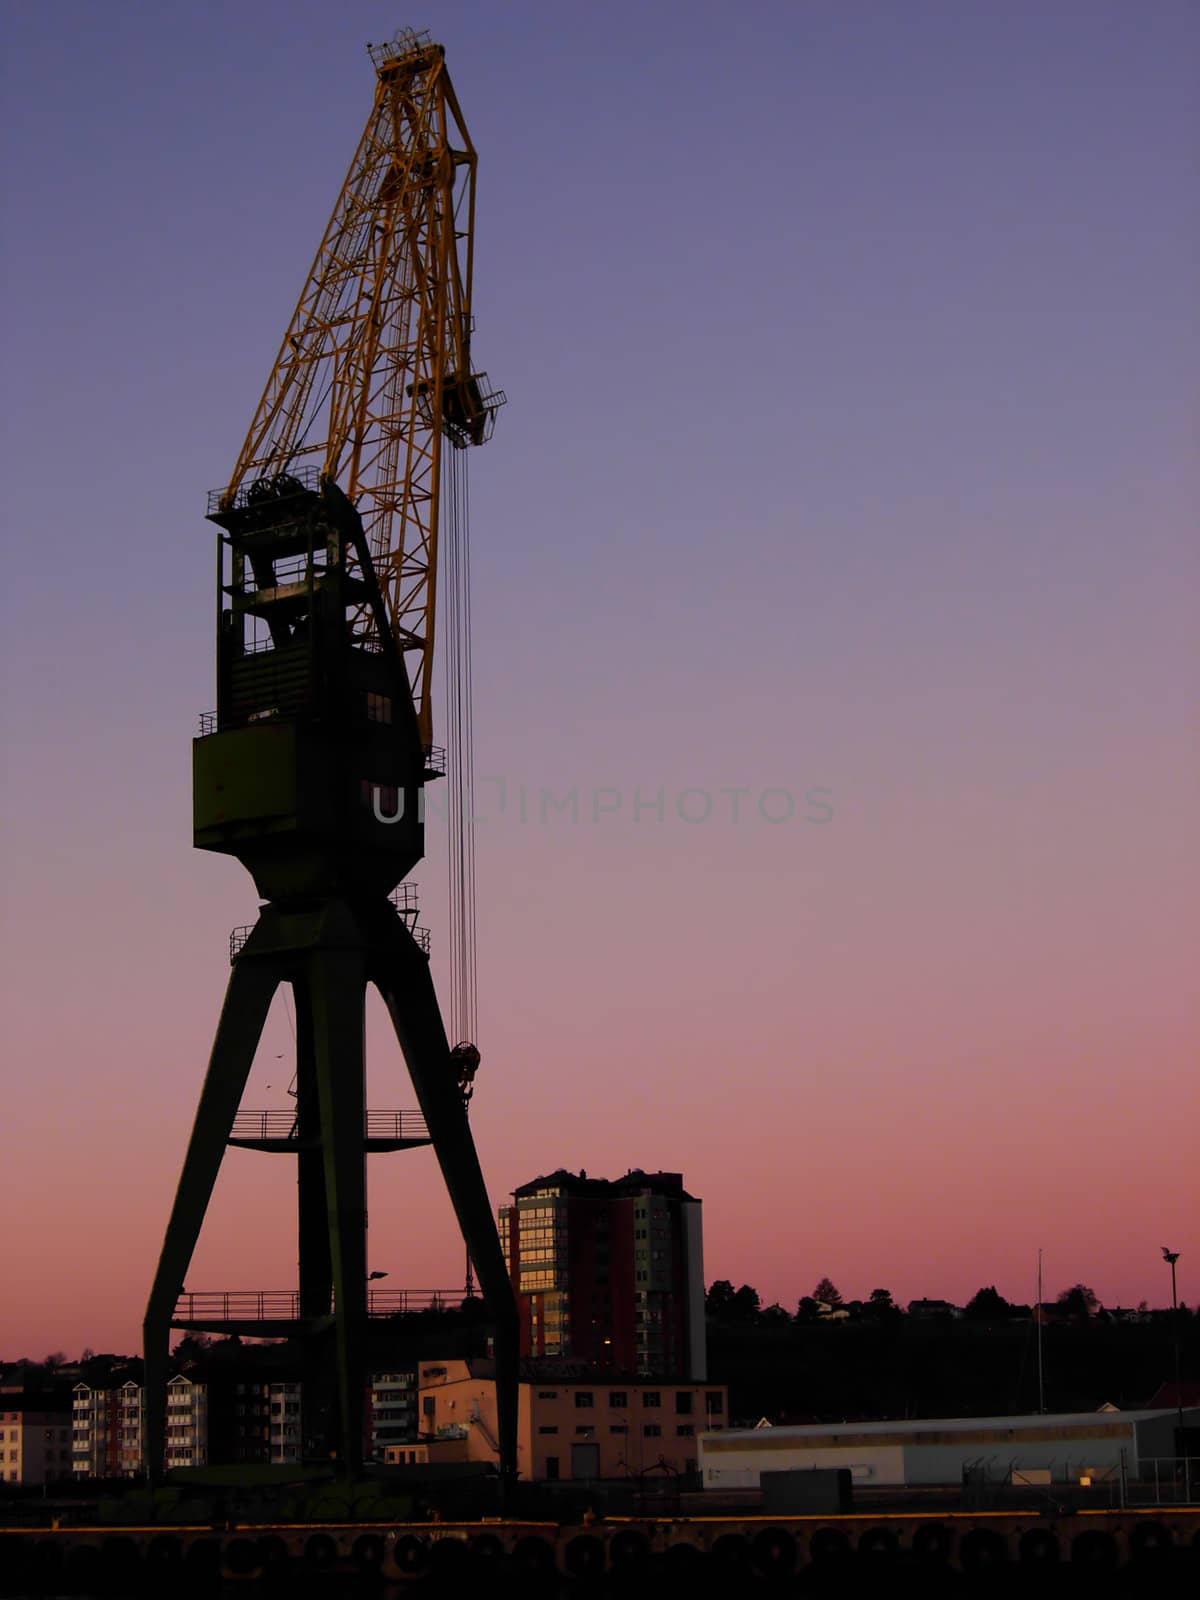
{"x":578,"y":1428}
{"x":1065,"y":1448}
{"x":35,"y":1438}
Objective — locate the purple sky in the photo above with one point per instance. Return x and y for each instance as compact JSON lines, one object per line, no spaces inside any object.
{"x":852,"y":352}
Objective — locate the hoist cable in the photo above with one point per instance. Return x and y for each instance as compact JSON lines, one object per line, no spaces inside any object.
{"x":460,"y":766}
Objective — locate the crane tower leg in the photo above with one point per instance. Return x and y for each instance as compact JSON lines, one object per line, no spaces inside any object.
{"x":316,"y":1265}
{"x":328,"y":951}
{"x":337,"y":986}
{"x":402,"y":976}
{"x":247,"y":1001}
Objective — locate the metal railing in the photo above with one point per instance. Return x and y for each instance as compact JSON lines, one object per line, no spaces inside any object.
{"x":283,"y":1305}
{"x":237,"y":940}
{"x":208,"y":723}
{"x":1164,"y":1481}
{"x":406,"y":42}
{"x":257,"y":491}
{"x":281,"y":1124}
{"x":404,"y":898}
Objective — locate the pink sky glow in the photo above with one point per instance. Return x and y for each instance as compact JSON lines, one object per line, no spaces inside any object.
{"x":853,"y":453}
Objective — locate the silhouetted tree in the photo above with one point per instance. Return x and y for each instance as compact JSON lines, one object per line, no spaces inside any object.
{"x":827,"y":1291}
{"x":987,"y":1305}
{"x":719,"y":1298}
{"x":746,"y":1304}
{"x":192,"y":1347}
{"x":1079,"y":1301}
{"x":881,"y":1307}
{"x":775,"y":1314}
{"x":808,"y":1310}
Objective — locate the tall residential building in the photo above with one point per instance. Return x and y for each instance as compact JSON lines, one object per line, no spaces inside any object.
{"x":609,"y":1276}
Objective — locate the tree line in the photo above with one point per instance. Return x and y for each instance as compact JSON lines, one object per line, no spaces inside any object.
{"x":724,"y":1303}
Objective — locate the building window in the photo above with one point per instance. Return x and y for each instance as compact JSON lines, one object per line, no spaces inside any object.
{"x":651,"y":1398}
{"x":685,"y":1430}
{"x":586,"y":1431}
{"x":379,"y":708}
{"x":584,"y":1400}
{"x":551,"y":1428}
{"x":683,"y":1402}
{"x":547,"y":1394}
{"x":651,"y":1430}
{"x":618,"y":1427}
{"x":618,"y":1399}
{"x":551,"y":1467}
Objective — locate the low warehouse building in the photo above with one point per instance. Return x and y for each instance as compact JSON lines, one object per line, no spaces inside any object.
{"x":581,"y":1428}
{"x":1072,"y":1447}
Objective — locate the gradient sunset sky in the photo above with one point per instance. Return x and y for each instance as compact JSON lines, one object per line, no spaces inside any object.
{"x":852,"y":353}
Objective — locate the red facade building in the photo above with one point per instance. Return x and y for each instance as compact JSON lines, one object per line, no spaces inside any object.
{"x":609,"y":1276}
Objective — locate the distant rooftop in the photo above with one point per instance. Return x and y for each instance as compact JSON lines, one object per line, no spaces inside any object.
{"x":1058,"y":1421}
{"x":634,"y":1182}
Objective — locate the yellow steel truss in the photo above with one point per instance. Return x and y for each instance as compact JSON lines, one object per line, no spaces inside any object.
{"x":374,"y":370}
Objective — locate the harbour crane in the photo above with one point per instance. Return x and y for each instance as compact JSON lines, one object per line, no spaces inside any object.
{"x":346,"y":505}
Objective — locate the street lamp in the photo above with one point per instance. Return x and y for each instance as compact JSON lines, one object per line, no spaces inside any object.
{"x":1171,"y":1257}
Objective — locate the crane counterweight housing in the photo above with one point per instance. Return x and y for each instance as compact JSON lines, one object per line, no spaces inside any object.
{"x":311,"y":770}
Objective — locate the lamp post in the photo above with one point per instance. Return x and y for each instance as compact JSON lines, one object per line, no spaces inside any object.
{"x":1171,"y":1257}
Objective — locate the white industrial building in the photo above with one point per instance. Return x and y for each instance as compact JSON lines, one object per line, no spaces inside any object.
{"x":1071,"y":1447}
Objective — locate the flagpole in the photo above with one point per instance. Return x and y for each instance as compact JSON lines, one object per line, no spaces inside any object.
{"x":1038,"y":1318}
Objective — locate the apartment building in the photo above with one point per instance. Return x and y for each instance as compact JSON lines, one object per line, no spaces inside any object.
{"x":609,"y":1276}
{"x":106,"y":1431}
{"x":284,"y":1438}
{"x":107,"y":1428}
{"x":216,"y":1416}
{"x":391,"y":1414}
{"x":187,"y":1422}
{"x":35,"y":1439}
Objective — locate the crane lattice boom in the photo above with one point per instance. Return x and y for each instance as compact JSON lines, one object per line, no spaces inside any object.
{"x":374,"y":370}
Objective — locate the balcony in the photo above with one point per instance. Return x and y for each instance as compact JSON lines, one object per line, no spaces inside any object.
{"x":277,"y":1131}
